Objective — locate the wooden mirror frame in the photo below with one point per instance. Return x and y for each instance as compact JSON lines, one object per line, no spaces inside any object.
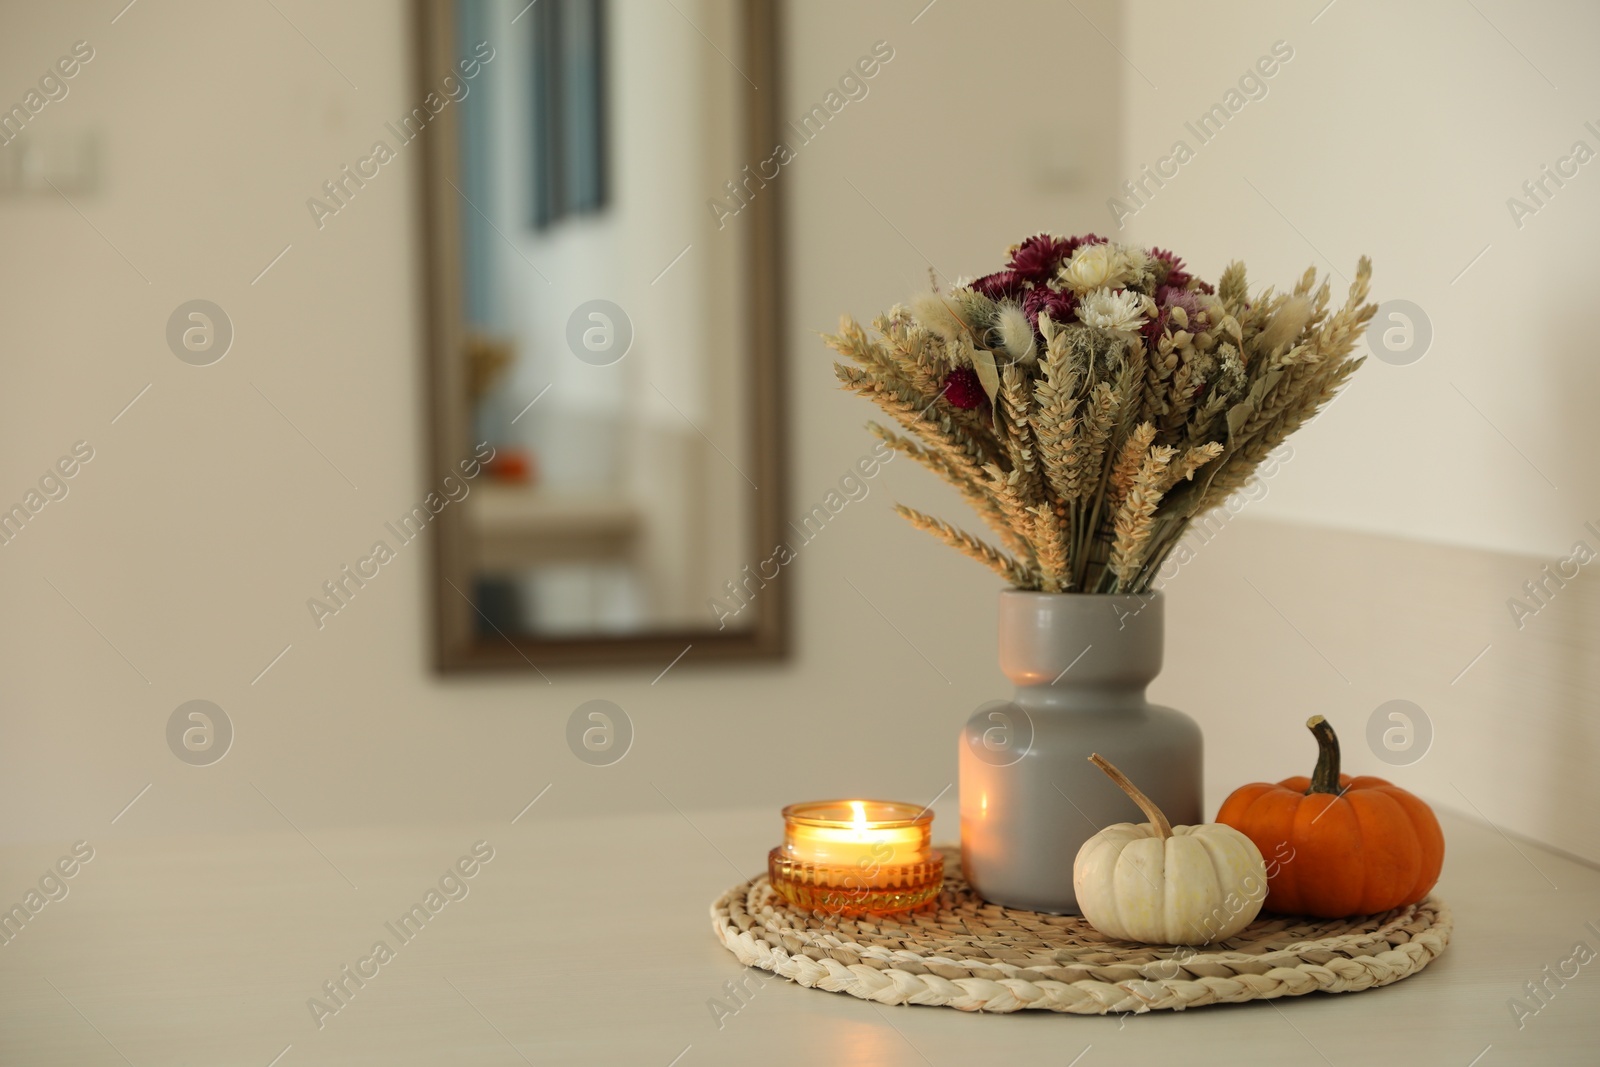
{"x":456,"y":643}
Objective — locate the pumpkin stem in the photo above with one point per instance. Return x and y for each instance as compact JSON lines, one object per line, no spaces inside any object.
{"x":1325,"y":779}
{"x":1146,"y":805}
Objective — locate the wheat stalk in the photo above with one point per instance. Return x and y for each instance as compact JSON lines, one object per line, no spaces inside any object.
{"x":1133,"y":521}
{"x":991,"y":557}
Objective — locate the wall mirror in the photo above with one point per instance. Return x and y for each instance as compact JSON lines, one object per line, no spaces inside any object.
{"x":602,"y":345}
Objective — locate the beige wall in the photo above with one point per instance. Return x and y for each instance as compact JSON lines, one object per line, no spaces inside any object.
{"x":1400,"y":131}
{"x":1272,"y":622}
{"x":205,"y":520}
{"x":194,"y":537}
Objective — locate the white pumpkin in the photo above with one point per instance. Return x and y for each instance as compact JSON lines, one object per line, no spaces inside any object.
{"x":1164,"y":884}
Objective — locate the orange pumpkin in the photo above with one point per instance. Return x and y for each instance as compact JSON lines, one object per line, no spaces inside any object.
{"x":1337,"y":845}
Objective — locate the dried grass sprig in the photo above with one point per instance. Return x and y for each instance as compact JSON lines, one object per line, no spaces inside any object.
{"x":968,"y":545}
{"x":971,"y":491}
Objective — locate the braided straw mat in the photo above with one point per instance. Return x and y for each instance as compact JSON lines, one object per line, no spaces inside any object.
{"x":965,"y":953}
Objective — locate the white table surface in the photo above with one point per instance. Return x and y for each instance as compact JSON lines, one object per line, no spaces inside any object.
{"x":588,"y":941}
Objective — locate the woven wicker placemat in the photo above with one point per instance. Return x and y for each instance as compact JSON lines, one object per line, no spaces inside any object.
{"x":962,"y":952}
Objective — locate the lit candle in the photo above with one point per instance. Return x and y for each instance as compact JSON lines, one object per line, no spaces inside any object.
{"x":861,"y":844}
{"x":856,"y":856}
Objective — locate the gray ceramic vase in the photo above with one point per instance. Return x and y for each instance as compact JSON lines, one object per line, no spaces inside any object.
{"x":1029,"y":795}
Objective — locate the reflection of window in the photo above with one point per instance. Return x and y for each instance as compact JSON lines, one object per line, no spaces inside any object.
{"x":569,"y":120}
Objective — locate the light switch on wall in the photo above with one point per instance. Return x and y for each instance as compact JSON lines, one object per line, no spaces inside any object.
{"x":68,"y":160}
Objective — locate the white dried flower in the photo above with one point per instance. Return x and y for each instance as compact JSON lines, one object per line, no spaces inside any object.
{"x":1132,"y":260}
{"x":1094,"y":267}
{"x":1107,"y":309}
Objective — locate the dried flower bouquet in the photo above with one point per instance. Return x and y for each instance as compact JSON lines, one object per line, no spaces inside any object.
{"x":1092,"y":399}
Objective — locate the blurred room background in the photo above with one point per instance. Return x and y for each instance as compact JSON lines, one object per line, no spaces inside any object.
{"x":1375,"y":563}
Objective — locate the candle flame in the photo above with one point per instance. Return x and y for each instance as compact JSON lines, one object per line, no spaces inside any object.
{"x":860,"y":820}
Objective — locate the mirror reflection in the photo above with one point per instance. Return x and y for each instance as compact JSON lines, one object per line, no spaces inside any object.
{"x":603,"y":317}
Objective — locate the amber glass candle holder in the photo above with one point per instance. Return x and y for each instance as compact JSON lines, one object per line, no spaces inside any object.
{"x":856,"y":857}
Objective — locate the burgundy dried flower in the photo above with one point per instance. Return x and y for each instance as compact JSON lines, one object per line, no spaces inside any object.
{"x":1152,"y":329}
{"x":1176,"y":277}
{"x":1038,"y":257}
{"x":1001,"y":285}
{"x":1058,"y":303}
{"x":1075,"y":243}
{"x":962,"y":388}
